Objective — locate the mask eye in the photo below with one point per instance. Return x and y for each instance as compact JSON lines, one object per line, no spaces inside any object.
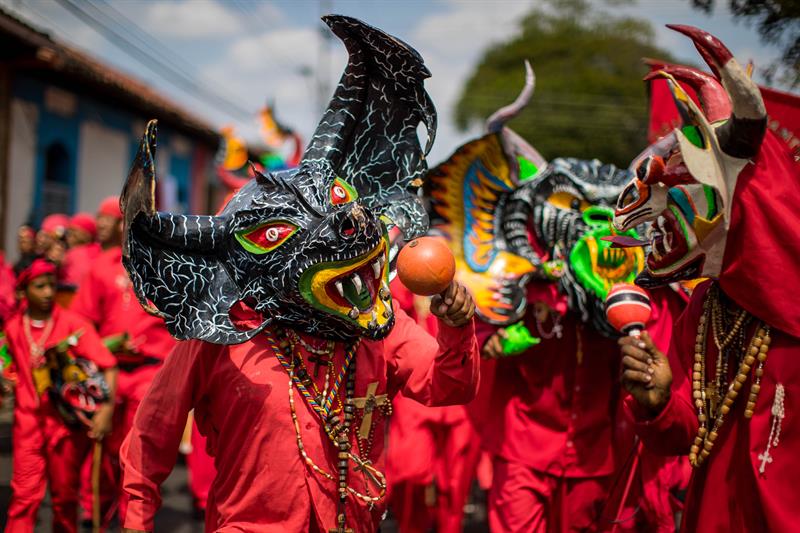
{"x":265,"y":237}
{"x":342,"y":192}
{"x":567,"y":200}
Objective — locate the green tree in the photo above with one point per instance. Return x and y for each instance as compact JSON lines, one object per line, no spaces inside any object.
{"x":590,"y":101}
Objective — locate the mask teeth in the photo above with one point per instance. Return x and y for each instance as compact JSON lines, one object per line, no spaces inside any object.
{"x":353,"y":313}
{"x":340,"y":288}
{"x":376,"y":269}
{"x":387,"y":313}
{"x":373,"y":324}
{"x":359,"y":284}
{"x":384,"y":293}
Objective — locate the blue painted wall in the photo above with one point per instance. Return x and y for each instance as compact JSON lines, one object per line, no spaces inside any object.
{"x":54,"y":128}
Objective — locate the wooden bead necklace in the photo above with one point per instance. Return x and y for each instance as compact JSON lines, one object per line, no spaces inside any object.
{"x":335,"y":428}
{"x":705,"y":402}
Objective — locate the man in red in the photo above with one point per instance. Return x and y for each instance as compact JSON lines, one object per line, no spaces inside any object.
{"x":46,"y":449}
{"x":722,"y":194}
{"x":83,"y":249}
{"x":296,"y":346}
{"x":106,"y":298}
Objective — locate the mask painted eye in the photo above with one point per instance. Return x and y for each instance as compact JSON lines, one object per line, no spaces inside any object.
{"x":566,"y":200}
{"x":265,"y":237}
{"x":342,"y":192}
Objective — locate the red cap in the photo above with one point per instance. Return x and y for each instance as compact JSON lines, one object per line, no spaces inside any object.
{"x":39,"y":267}
{"x":110,"y":207}
{"x":56,"y":224}
{"x":85,"y":222}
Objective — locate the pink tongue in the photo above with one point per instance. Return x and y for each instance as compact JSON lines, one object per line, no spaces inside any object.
{"x":623,"y":241}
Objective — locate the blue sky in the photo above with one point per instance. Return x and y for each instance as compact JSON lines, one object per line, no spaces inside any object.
{"x":252,"y":50}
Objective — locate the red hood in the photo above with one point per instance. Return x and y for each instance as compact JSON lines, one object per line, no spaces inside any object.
{"x":761,"y":267}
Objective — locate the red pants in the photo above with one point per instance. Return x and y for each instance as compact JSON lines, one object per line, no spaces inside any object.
{"x":131,"y":388}
{"x":45,"y":451}
{"x":443,"y":445}
{"x":201,"y":469}
{"x":524,"y":500}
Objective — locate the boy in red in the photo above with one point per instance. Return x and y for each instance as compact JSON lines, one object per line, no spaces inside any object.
{"x":46,"y":450}
{"x":106,"y":299}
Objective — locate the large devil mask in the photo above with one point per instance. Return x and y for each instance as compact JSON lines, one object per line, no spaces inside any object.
{"x":307,"y":247}
{"x":512,"y":218}
{"x":721,"y":192}
{"x":685,"y":182}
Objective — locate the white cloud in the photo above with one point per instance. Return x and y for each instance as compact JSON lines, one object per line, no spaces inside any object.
{"x":191,"y":19}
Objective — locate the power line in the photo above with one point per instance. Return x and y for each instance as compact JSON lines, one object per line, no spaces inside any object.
{"x":176,"y":77}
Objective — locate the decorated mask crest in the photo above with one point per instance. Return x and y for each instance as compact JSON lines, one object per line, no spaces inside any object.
{"x":307,"y":247}
{"x":496,"y":195}
{"x":684,"y":183}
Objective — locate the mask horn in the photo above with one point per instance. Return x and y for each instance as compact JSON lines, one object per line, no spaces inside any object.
{"x":742,"y":134}
{"x":498,"y":119}
{"x":713,"y":97}
{"x":190,"y":233}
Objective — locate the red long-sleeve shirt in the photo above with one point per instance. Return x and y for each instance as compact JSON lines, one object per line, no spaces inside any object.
{"x":728,"y":493}
{"x":65,"y":323}
{"x":241,"y":402}
{"x":106,"y":299}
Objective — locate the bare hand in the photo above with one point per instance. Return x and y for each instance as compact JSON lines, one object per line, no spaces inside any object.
{"x":493,"y":348}
{"x":454,"y":306}
{"x":101,"y":422}
{"x":645,"y":372}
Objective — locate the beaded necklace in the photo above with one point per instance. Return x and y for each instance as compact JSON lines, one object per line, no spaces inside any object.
{"x":336,"y":429}
{"x":37,"y":348}
{"x":707,"y":407}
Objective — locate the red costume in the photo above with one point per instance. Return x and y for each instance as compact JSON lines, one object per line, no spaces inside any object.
{"x":78,"y":261}
{"x":428,"y":444}
{"x":554,"y":437}
{"x":8,"y":300}
{"x":46,"y":450}
{"x":722,"y":498}
{"x":262,"y":482}
{"x":106,"y":298}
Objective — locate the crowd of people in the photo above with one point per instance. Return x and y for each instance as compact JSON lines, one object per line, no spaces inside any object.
{"x":316,"y":394}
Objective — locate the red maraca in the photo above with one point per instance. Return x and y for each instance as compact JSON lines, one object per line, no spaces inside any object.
{"x":426,"y":266}
{"x":628,"y":308}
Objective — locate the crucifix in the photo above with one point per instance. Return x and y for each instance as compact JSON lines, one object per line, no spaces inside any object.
{"x":368,"y":403}
{"x":318,"y":360}
{"x":765,"y":459}
{"x":341,"y":527}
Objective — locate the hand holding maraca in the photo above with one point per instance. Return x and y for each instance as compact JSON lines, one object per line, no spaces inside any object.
{"x":427,"y":267}
{"x":645,"y":370}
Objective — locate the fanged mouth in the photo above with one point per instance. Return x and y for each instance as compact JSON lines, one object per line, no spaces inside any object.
{"x":598,"y":265}
{"x":667,"y":244}
{"x":357,"y":287}
{"x":354,"y":289}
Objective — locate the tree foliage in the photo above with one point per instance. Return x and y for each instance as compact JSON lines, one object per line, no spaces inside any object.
{"x":590,"y":101}
{"x":778,"y":23}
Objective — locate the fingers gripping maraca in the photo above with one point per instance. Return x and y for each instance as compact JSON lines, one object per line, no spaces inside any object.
{"x":427,"y":267}
{"x":645,"y":370}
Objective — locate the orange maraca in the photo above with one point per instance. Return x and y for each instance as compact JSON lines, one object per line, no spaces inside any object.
{"x":426,"y":266}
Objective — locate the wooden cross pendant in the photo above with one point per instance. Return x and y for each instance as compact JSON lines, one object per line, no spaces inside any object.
{"x":341,"y":527}
{"x":318,"y":360}
{"x":369,"y":403}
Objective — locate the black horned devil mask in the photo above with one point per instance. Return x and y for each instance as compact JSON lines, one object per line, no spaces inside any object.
{"x":308,"y":247}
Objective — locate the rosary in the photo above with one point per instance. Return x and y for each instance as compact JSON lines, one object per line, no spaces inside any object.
{"x":337,"y":421}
